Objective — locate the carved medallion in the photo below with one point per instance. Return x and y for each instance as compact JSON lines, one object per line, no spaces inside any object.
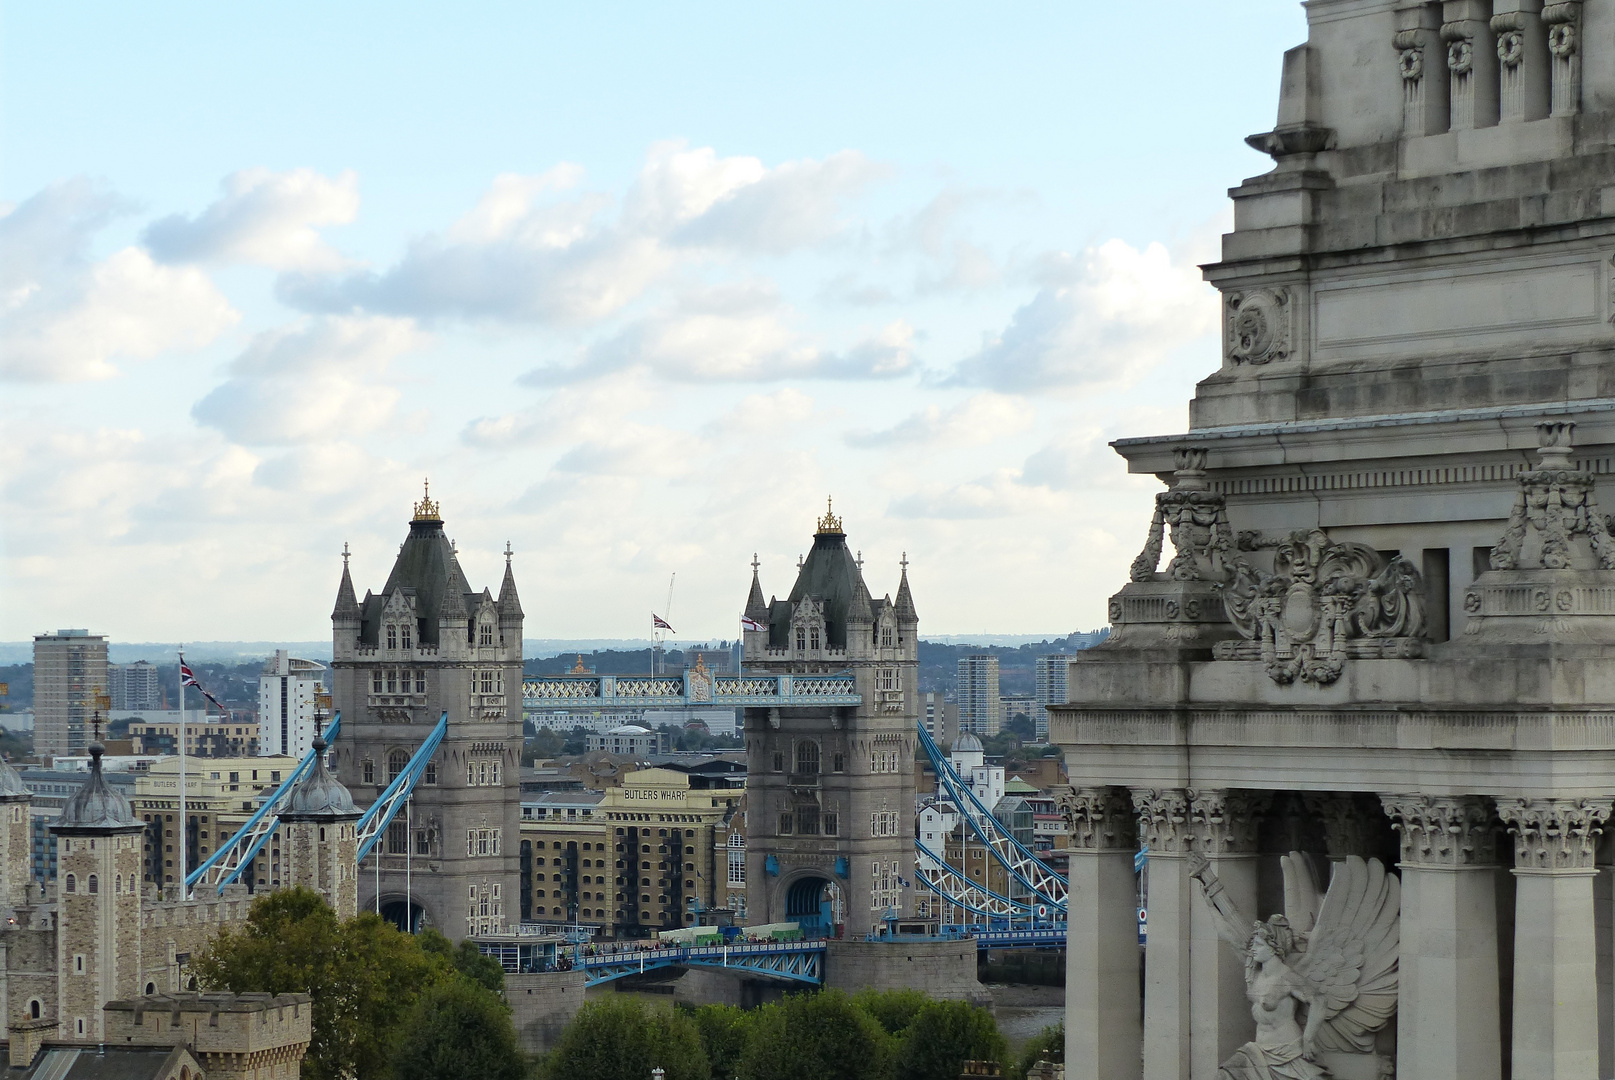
{"x":1258,"y":325}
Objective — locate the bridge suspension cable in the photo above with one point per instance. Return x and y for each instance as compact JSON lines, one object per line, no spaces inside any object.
{"x":381,"y":813}
{"x":237,"y":853}
{"x":1045,"y":885}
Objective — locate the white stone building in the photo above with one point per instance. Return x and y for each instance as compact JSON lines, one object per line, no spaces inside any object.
{"x":1364,"y":695}
{"x":980,"y":711}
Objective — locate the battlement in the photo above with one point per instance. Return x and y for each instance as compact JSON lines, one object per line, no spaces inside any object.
{"x":239,"y":1031}
{"x":206,"y":909}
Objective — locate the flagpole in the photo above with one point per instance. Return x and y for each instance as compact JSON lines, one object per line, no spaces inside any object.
{"x":184,"y":837}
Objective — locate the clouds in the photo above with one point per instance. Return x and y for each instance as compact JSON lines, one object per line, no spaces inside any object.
{"x":316,"y":380}
{"x":1105,"y":317}
{"x":66,"y":317}
{"x":979,"y":419}
{"x":266,"y":218}
{"x":537,"y":251}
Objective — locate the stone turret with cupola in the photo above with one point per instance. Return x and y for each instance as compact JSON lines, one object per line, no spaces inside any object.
{"x":830,"y":789}
{"x":426,"y":644}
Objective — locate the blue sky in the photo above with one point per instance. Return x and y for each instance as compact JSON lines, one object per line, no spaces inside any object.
{"x":636,"y":286}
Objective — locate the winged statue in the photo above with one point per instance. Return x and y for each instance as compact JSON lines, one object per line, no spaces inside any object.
{"x":1322,"y":976}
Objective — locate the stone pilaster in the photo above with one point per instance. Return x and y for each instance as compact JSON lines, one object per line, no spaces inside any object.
{"x":1103,"y":1033}
{"x":1471,"y":63}
{"x":1563,"y":24}
{"x":1165,"y":829}
{"x":1522,"y":58}
{"x":1223,"y":824}
{"x":1555,"y":944}
{"x":1421,"y":58}
{"x":1449,"y":1018}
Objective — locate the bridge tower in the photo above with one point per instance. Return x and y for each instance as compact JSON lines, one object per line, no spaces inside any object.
{"x":830,"y":791}
{"x":428,"y":644}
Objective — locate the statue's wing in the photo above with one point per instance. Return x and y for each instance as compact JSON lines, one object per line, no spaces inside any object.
{"x":1300,"y":891}
{"x":1351,"y":956}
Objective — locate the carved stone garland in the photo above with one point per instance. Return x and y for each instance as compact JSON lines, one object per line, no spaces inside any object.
{"x":1324,"y":603}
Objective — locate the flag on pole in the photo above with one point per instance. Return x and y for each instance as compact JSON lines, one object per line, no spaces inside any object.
{"x":187,"y":677}
{"x":749,"y":623}
{"x":660,"y":623}
{"x":1140,"y":857}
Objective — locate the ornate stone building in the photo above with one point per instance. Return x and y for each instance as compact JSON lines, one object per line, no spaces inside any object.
{"x":1383,"y":634}
{"x":426,"y":644}
{"x":830,"y":791}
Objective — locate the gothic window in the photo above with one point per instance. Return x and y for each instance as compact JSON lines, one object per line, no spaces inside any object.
{"x":375,"y":681}
{"x":485,"y":680}
{"x":397,"y":838}
{"x":403,"y":635}
{"x":33,"y":1009}
{"x":839,"y":763}
{"x":888,"y":679}
{"x":422,"y":847}
{"x":828,"y":824}
{"x":72,"y":884}
{"x":392,"y":636}
{"x":807,"y":757}
{"x":396,"y":761}
{"x":431,"y":772}
{"x":368,"y":771}
{"x":485,"y":634}
{"x":493,"y":775}
{"x":392,"y":681}
{"x":420,"y":682}
{"x":801,"y":639}
{"x":785,"y":823}
{"x":807,"y":820}
{"x":94,"y":884}
{"x":886,"y":636}
{"x":779,"y":761}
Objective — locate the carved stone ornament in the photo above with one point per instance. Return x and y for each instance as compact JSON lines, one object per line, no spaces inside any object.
{"x":1443,"y":830}
{"x":1224,"y":822}
{"x":1197,"y":521}
{"x":1324,"y":603}
{"x":1099,"y":819}
{"x":1258,"y":325}
{"x":1509,"y":28}
{"x":1345,"y":825}
{"x":1460,"y":55}
{"x":1555,"y":503}
{"x":1163,"y":820}
{"x":1554,"y":834}
{"x":1561,"y":20}
{"x":1410,"y":62}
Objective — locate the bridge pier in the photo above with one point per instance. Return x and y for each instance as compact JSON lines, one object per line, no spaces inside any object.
{"x":541,"y":1004}
{"x":942,"y":969}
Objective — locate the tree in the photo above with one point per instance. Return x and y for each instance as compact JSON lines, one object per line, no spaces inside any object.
{"x":821,"y":1036}
{"x":894,"y":1010}
{"x":944,"y":1036}
{"x":1046,"y":1045}
{"x":724,"y":1031}
{"x":468,"y":960}
{"x":620,"y":1039}
{"x":363,"y":975}
{"x":459,"y":1029}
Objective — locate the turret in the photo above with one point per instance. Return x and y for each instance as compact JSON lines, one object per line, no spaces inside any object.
{"x":16,"y":855}
{"x":320,"y":848}
{"x":510,"y":606}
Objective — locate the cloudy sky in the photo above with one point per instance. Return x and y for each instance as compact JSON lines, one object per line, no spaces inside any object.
{"x":636,"y":285}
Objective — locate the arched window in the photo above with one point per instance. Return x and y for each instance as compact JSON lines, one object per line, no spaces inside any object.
{"x":151,"y":988}
{"x":801,"y":639}
{"x":33,"y":1009}
{"x":395,"y":764}
{"x":807,"y":757}
{"x":72,"y":884}
{"x":431,"y":772}
{"x":392,"y":636}
{"x":485,"y":634}
{"x":368,"y":771}
{"x":813,"y":637}
{"x":886,"y":635}
{"x":403,"y":635}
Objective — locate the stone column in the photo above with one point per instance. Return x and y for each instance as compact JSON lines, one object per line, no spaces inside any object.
{"x":1421,"y":57}
{"x":1224,"y":827}
{"x":1471,"y":63}
{"x":1163,"y":827}
{"x":1563,"y":24}
{"x":1555,"y":946}
{"x":1522,"y":56}
{"x":1448,"y":1020}
{"x":1103,"y":1033}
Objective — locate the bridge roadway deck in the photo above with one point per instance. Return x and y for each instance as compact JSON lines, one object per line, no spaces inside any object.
{"x":687,"y":689}
{"x":792,"y":961}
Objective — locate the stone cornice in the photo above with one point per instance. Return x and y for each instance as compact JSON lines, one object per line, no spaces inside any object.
{"x":1443,"y":830}
{"x":1555,"y":834}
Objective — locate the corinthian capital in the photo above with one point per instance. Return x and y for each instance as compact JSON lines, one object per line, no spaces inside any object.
{"x":1554,"y":834}
{"x":1224,"y":822}
{"x":1163,"y":819}
{"x":1100,"y":819}
{"x":1443,"y":830}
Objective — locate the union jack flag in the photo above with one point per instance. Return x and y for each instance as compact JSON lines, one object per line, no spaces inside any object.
{"x":187,"y":677}
{"x":660,"y":623}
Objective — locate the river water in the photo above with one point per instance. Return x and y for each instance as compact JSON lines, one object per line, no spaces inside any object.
{"x":1023,"y":1011}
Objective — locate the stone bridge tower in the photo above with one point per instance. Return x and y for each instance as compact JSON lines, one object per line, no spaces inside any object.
{"x":830,"y":791}
{"x":425,"y":644}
